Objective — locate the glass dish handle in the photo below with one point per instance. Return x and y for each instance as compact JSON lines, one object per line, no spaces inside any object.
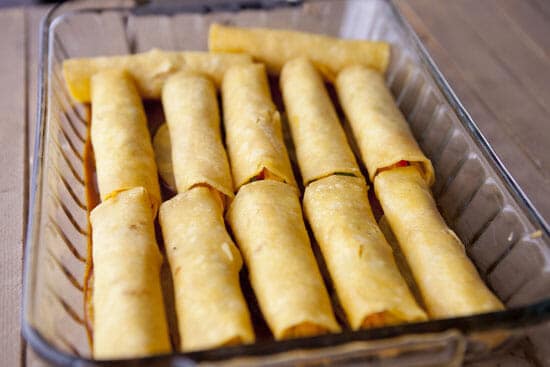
{"x":206,"y":6}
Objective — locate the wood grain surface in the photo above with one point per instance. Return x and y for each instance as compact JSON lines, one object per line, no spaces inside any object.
{"x":13,"y":191}
{"x":496,"y":60}
{"x":494,"y":53}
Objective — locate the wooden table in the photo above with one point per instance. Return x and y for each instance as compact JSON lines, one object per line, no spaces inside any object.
{"x":494,"y":53}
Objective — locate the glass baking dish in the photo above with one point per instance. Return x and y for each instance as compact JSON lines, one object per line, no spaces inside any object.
{"x":503,"y":233}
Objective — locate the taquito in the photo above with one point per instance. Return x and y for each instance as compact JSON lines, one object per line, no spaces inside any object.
{"x":124,"y":156}
{"x":400,"y":259}
{"x":276,"y":47}
{"x":368,"y":283}
{"x":266,"y":219}
{"x":448,"y":281}
{"x":163,"y":156}
{"x":192,"y":115}
{"x":149,"y":69}
{"x":382,"y":133}
{"x":129,"y":315}
{"x":253,"y":130}
{"x":205,"y":265}
{"x":319,"y":139}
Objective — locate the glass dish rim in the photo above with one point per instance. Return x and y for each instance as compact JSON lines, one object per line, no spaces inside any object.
{"x":510,"y":318}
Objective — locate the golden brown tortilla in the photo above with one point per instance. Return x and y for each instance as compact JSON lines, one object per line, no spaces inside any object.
{"x":198,"y":155}
{"x":253,"y":131}
{"x":124,"y":156}
{"x":149,"y":69}
{"x":205,"y":268}
{"x":368,"y":283}
{"x":129,"y":315}
{"x":381,"y":131}
{"x":163,"y":156}
{"x":319,"y":139}
{"x":266,"y":219}
{"x":447,"y":279}
{"x":276,"y":47}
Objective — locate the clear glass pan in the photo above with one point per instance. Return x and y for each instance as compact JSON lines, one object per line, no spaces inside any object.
{"x":504,"y":235}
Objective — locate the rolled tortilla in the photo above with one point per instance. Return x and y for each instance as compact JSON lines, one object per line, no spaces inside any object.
{"x":370,"y":288}
{"x":276,"y":47}
{"x":149,"y":69}
{"x":382,"y":133}
{"x":267,"y":224}
{"x":321,"y":145}
{"x":205,"y":268}
{"x":129,"y":315}
{"x":123,"y":152}
{"x":448,"y":281}
{"x":253,"y":129}
{"x":400,"y":260}
{"x":163,"y":156}
{"x":192,"y":115}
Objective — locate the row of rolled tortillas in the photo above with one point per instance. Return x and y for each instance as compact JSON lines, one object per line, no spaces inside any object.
{"x":229,"y":46}
{"x":336,"y":205}
{"x":129,"y":318}
{"x":204,"y":261}
{"x":312,"y":121}
{"x":338,"y":210}
{"x":211,"y":312}
{"x":269,"y":237}
{"x":195,"y":238}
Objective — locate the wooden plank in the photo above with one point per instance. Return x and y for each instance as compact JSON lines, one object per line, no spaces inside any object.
{"x":542,"y":6}
{"x":514,"y":123}
{"x":519,"y":55}
{"x":33,"y":360}
{"x":529,"y":20}
{"x":510,"y":154}
{"x":12,"y":184}
{"x":486,"y":74}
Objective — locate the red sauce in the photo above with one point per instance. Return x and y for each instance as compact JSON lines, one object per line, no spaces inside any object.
{"x":402,"y":163}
